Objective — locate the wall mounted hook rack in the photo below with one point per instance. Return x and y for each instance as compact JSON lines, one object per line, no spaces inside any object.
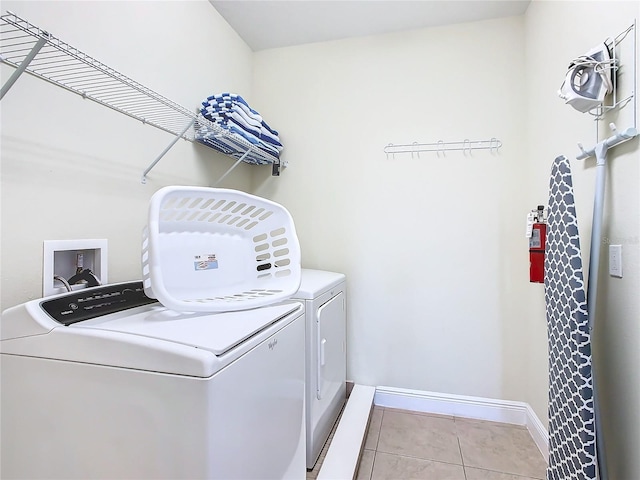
{"x":440,"y":147}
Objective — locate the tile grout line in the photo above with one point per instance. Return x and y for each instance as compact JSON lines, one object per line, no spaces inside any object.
{"x":506,"y":473}
{"x":373,"y":464}
{"x":379,"y":430}
{"x":457,"y":422}
{"x":464,"y":469}
{"x":375,"y":450}
{"x":427,"y":459}
{"x":451,"y":417}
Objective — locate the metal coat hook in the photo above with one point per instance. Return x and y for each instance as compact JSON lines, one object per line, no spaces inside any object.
{"x":616,"y":139}
{"x":466,"y":144}
{"x":417,"y":151}
{"x":581,"y":148}
{"x":440,"y":148}
{"x":491,"y":145}
{"x":393,"y":155}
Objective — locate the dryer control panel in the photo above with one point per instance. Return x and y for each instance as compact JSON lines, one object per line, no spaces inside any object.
{"x":95,"y":302}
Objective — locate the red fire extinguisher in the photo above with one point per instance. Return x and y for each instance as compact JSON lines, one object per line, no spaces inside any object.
{"x":537,"y":242}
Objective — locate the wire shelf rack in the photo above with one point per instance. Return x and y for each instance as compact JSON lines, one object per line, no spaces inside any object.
{"x":30,"y":49}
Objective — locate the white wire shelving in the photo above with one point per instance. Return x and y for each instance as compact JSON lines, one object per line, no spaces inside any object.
{"x":29,"y":49}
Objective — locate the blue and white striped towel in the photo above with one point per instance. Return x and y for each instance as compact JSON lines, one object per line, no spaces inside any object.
{"x":232,"y":113}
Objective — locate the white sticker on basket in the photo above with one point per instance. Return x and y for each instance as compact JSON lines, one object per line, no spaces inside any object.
{"x":205,"y":262}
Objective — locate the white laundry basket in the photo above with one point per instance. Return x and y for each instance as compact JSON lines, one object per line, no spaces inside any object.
{"x":215,"y":250}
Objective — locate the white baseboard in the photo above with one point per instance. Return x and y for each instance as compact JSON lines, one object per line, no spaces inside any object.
{"x":538,"y":432}
{"x":516,"y":413}
{"x":344,"y":451}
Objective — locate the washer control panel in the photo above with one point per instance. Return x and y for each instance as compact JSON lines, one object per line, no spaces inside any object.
{"x":96,"y":302}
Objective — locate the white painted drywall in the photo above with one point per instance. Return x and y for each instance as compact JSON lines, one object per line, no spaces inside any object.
{"x":557,"y":32}
{"x":71,"y":168}
{"x":433,"y":247}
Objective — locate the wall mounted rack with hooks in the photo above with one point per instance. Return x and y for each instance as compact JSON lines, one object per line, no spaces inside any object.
{"x":613,"y":44}
{"x":30,"y":49}
{"x":440,"y":147}
{"x":600,"y":152}
{"x":630,"y":34}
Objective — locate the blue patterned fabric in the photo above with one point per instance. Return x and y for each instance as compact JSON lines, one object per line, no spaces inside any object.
{"x":229,"y":146}
{"x":572,"y":447}
{"x":232,"y":113}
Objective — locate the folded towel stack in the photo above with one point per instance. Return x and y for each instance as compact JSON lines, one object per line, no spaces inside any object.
{"x":232,"y":113}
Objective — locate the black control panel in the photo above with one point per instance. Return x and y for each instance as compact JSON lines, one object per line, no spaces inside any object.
{"x":96,"y":302}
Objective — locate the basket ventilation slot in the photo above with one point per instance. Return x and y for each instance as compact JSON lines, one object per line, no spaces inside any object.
{"x":271,"y":246}
{"x":238,"y":297}
{"x":229,"y":212}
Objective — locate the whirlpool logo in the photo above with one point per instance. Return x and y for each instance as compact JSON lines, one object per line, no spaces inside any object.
{"x":273,"y":343}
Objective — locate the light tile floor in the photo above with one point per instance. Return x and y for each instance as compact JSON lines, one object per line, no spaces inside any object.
{"x":404,"y":445}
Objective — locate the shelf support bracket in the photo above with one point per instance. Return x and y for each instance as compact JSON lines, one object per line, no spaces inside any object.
{"x":23,"y":66}
{"x":232,"y":168}
{"x":164,"y":152}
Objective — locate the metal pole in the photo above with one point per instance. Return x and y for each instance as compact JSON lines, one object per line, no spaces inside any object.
{"x":592,"y":292}
{"x":635,"y":75}
{"x":596,"y":230}
{"x":22,"y":67}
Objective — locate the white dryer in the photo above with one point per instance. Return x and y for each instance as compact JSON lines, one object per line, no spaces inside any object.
{"x":106,"y":383}
{"x":324,"y":294}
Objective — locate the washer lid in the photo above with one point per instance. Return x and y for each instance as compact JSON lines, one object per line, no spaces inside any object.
{"x":217,"y":333}
{"x":316,"y":282}
{"x":118,"y":326}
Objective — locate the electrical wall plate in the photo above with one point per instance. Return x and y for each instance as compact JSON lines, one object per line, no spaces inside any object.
{"x":615,"y":260}
{"x":63,"y":258}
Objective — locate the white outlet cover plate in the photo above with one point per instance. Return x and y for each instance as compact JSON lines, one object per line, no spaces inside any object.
{"x":615,"y":260}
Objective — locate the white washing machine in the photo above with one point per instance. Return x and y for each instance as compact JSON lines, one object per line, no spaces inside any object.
{"x":324,"y":294}
{"x":106,"y":383}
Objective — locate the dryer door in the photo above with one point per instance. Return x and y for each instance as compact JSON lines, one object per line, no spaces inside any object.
{"x":331,"y":333}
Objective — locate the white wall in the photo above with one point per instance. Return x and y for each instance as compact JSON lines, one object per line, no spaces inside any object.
{"x":71,"y":168}
{"x":557,"y":32}
{"x":433,"y":248}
